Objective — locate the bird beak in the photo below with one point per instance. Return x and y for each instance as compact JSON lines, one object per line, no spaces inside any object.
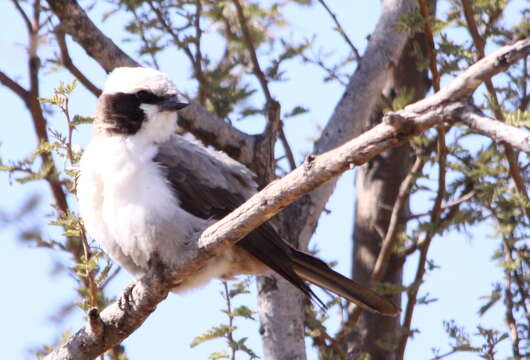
{"x":172,"y":104}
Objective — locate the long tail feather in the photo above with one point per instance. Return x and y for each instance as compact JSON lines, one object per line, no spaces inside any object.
{"x":319,"y":273}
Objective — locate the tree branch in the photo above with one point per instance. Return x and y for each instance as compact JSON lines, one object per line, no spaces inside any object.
{"x":67,"y":62}
{"x":341,"y":31}
{"x":212,"y":130}
{"x":466,"y":83}
{"x":208,"y":127}
{"x":76,"y":23}
{"x":495,"y":129}
{"x":140,"y":299}
{"x":22,"y":93}
{"x":391,"y":238}
{"x":25,"y":17}
{"x":252,"y":51}
{"x":511,"y":156}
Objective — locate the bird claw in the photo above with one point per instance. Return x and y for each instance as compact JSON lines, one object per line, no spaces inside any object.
{"x":126,"y":299}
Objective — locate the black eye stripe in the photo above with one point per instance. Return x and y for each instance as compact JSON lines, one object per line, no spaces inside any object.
{"x":147,"y":97}
{"x":123,"y":112}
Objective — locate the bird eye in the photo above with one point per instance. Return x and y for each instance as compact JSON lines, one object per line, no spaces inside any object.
{"x":144,"y":96}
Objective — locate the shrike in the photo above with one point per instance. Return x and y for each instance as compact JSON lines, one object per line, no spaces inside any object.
{"x":144,"y":190}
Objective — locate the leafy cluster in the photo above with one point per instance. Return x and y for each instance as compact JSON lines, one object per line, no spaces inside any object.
{"x":57,"y":160}
{"x":227,"y":330}
{"x":485,"y":182}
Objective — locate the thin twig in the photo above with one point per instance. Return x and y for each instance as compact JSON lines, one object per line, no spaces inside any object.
{"x":252,"y":51}
{"x":431,"y":50}
{"x":472,"y":28}
{"x":92,"y":287}
{"x":203,"y":83}
{"x":25,"y":17}
{"x":412,"y":293}
{"x":508,"y":298}
{"x":287,"y":148}
{"x":274,"y":124}
{"x":195,"y":60}
{"x":493,"y":18}
{"x":341,"y":31}
{"x":448,"y":205}
{"x":511,"y":155}
{"x":525,"y":97}
{"x":391,"y":237}
{"x":69,"y":152}
{"x":437,"y":207}
{"x":230,"y":338}
{"x":68,"y":63}
{"x":22,"y":93}
{"x":447,"y":354}
{"x":141,"y":27}
{"x":331,"y":73}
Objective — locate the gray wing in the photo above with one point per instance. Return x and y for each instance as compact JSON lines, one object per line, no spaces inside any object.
{"x":209,"y":185}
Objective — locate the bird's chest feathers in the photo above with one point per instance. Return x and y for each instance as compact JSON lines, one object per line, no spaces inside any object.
{"x":125,"y":199}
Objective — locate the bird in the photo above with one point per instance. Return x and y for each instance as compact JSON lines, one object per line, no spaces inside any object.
{"x":143,"y":190}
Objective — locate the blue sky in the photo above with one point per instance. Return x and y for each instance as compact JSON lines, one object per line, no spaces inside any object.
{"x":32,"y":293}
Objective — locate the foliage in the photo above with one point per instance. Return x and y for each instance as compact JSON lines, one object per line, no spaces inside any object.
{"x":490,"y":178}
{"x":227,"y":331}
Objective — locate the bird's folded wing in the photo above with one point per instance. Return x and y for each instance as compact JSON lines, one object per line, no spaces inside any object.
{"x":210,"y":185}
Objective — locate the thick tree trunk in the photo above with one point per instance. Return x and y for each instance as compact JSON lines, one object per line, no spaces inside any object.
{"x":377,"y":186}
{"x":351,"y":113}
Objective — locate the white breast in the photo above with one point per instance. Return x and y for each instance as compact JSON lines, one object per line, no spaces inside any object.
{"x":126,"y":203}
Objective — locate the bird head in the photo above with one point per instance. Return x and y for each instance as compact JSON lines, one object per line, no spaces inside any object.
{"x":138,"y":101}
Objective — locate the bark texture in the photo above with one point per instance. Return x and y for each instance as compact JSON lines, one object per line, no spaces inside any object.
{"x":275,"y":329}
{"x":377,"y":187}
{"x":120,"y":319}
{"x":352,"y":111}
{"x":205,"y":125}
{"x":495,"y":128}
{"x":76,"y":23}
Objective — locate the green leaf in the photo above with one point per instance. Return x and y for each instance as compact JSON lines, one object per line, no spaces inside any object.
{"x":71,"y":232}
{"x":241,"y":346}
{"x":518,"y":118}
{"x":297,"y":110}
{"x":213,"y":333}
{"x":238,"y":289}
{"x":219,"y":355}
{"x":244,"y":312}
{"x":78,"y":120}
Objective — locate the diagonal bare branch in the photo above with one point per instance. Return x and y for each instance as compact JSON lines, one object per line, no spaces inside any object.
{"x":252,"y":51}
{"x":69,"y":64}
{"x":76,"y":23}
{"x":22,"y":93}
{"x":139,"y":300}
{"x":25,"y":17}
{"x":208,"y":127}
{"x":341,"y":30}
{"x":509,"y":152}
{"x":495,"y":129}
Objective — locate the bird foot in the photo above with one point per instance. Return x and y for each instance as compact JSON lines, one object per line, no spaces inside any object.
{"x":126,"y":299}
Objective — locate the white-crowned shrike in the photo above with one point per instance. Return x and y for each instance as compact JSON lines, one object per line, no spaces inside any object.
{"x":144,"y":190}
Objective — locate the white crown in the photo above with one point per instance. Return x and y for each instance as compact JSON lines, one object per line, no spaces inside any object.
{"x":132,"y":79}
